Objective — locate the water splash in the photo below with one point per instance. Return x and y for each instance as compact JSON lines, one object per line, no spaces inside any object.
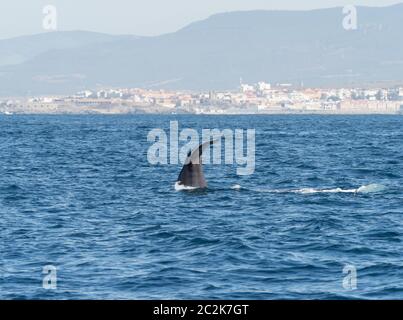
{"x":181,"y":187}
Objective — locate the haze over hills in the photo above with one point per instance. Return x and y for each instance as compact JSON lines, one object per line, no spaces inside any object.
{"x":21,"y":49}
{"x":274,"y":46}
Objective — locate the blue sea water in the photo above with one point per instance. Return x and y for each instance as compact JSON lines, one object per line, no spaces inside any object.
{"x":77,"y":192}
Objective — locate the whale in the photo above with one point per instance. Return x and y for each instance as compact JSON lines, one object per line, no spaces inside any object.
{"x":191,"y":175}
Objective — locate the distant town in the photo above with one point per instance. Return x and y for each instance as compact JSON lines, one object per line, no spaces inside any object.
{"x":259,"y":98}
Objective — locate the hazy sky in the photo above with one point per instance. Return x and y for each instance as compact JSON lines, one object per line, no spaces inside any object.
{"x":140,"y":17}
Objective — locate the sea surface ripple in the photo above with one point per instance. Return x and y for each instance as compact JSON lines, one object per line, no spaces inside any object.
{"x":77,"y":192}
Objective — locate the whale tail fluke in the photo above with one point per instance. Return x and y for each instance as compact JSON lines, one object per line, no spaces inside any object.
{"x":192,"y":175}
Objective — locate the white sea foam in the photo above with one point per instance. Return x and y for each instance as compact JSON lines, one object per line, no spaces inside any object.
{"x":371,"y":188}
{"x":181,"y":187}
{"x":335,"y":190}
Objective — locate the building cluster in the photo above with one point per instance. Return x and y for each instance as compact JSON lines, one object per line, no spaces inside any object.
{"x":257,"y":98}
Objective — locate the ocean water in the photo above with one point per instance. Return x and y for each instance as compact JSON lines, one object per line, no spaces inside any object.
{"x":77,"y":192}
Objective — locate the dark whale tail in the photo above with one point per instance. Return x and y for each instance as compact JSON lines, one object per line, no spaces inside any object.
{"x":192,"y":175}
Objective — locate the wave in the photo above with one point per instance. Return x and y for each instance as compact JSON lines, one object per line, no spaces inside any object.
{"x":371,"y":188}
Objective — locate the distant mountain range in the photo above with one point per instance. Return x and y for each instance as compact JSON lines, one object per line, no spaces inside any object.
{"x":274,"y":46}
